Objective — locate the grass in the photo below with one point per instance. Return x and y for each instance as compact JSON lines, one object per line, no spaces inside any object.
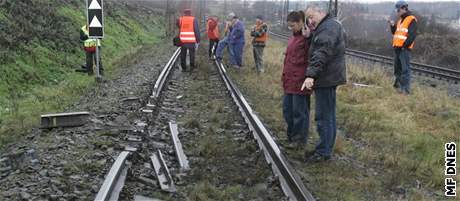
{"x":389,"y":147}
{"x":38,"y":78}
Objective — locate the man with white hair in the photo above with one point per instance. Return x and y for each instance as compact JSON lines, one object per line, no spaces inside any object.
{"x":326,"y":70}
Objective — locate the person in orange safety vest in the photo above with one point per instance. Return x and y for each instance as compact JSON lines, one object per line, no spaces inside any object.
{"x":212,"y":30}
{"x":404,"y":33}
{"x":260,"y":34}
{"x":189,"y":34}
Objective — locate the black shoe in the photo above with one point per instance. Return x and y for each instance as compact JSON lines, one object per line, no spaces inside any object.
{"x":315,"y":158}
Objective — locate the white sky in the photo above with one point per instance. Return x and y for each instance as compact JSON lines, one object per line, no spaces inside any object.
{"x":375,"y":1}
{"x":371,"y":1}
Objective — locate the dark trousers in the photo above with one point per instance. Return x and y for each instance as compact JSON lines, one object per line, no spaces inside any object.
{"x":213,"y":46}
{"x":402,"y":70}
{"x":296,"y":112}
{"x":325,"y":116}
{"x":259,"y":57}
{"x":183,"y":55}
{"x":91,"y":60}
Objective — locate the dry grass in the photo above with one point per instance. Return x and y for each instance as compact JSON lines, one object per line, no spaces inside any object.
{"x":389,"y":147}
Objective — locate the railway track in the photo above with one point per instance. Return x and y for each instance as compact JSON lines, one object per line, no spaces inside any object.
{"x":165,"y":155}
{"x":436,"y":72}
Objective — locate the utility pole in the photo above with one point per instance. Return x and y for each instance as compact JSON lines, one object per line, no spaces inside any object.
{"x":336,"y":10}
{"x":265,"y":9}
{"x":225,"y":9}
{"x":168,"y":20}
{"x":200,"y":14}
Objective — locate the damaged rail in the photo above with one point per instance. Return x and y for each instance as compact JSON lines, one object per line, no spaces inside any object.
{"x":164,"y":75}
{"x":114,"y":180}
{"x":291,"y":183}
{"x":442,"y":73}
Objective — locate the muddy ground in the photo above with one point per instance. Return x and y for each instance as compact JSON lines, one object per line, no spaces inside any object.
{"x":70,"y":163}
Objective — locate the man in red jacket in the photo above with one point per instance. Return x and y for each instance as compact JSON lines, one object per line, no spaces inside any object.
{"x":213,"y":35}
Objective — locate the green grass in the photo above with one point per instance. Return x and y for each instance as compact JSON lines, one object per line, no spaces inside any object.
{"x":39,"y":77}
{"x":387,"y":141}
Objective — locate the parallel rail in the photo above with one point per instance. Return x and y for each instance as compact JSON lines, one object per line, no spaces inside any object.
{"x":442,"y":73}
{"x":291,"y":183}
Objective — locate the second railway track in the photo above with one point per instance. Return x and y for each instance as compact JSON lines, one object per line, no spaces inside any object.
{"x":446,"y":74}
{"x":196,"y":143}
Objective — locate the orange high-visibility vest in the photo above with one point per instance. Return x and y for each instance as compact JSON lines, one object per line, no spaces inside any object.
{"x":212,"y":34}
{"x":264,"y":36}
{"x":402,"y":29}
{"x":187,"y":31}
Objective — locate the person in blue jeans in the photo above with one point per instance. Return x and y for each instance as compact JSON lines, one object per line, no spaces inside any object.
{"x":296,"y":102}
{"x":236,"y":41}
{"x":224,"y":43}
{"x":404,"y":33}
{"x":326,"y":70}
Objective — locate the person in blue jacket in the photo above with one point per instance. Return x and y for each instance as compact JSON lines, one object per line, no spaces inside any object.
{"x":236,"y":39}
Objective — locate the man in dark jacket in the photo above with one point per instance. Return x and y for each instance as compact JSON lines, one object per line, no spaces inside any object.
{"x":326,"y":70}
{"x":404,"y":33}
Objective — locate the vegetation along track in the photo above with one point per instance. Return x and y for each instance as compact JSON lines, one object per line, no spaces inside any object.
{"x":442,"y":73}
{"x":220,"y":161}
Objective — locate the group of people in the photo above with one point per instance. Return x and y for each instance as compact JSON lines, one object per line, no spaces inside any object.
{"x":233,"y":39}
{"x":314,"y":63}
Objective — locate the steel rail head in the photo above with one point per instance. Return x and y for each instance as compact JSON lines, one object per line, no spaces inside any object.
{"x":181,"y":157}
{"x":162,"y":172}
{"x":441,"y":72}
{"x":291,"y":183}
{"x":105,"y":192}
{"x":164,"y":74}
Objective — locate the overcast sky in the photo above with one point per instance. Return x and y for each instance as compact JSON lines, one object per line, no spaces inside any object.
{"x":407,"y":1}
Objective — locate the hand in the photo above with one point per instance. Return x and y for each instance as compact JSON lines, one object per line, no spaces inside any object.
{"x":307,"y":84}
{"x":306,"y":32}
{"x":391,"y":22}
